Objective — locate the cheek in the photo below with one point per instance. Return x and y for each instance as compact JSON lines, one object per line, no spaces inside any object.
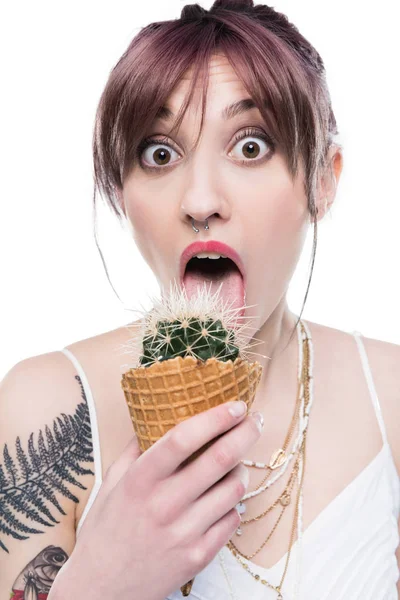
{"x":146,"y":204}
{"x":270,"y":199}
{"x":277,"y":241}
{"x":277,"y":222}
{"x":154,"y":231}
{"x":142,"y":223}
{"x":276,"y":212}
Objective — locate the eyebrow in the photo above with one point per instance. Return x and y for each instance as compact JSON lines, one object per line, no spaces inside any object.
{"x":229,"y":112}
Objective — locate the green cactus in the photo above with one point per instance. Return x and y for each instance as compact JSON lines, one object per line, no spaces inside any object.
{"x":202,"y":326}
{"x":191,"y":336}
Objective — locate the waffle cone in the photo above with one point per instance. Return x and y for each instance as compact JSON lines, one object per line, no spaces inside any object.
{"x":168,"y":392}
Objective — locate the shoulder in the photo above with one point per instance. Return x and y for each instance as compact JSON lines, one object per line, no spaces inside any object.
{"x":37,"y":386}
{"x":103,"y":359}
{"x":45,"y":438}
{"x":384,"y":363}
{"x":383,"y":357}
{"x":36,"y":392}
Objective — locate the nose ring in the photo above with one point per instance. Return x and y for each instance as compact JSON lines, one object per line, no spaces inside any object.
{"x":195,"y":228}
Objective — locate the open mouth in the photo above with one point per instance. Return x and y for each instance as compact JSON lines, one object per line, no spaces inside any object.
{"x":211,"y":269}
{"x":215,"y":271}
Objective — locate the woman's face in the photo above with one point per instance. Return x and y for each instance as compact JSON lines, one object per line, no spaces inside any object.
{"x":242,"y":186}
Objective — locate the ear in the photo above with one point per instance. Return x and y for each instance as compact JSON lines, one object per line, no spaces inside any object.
{"x":329,"y":181}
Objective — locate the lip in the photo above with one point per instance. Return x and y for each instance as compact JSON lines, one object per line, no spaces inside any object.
{"x":210,"y":246}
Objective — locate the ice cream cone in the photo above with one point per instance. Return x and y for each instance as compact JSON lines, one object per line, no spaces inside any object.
{"x":191,"y":360}
{"x":166,"y":393}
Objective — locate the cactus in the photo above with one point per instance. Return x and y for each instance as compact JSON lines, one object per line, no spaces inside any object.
{"x":201,"y":327}
{"x":189,"y":337}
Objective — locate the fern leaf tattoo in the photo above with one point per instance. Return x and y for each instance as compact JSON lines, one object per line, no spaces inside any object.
{"x":29,"y":480}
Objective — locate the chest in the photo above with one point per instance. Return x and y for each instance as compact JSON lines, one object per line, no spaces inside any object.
{"x":343,"y":438}
{"x":343,"y":448}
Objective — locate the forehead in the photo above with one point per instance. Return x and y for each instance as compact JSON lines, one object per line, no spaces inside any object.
{"x":219,"y":70}
{"x":224,"y":87}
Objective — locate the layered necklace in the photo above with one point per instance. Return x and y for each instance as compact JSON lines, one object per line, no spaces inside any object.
{"x":277,"y":465}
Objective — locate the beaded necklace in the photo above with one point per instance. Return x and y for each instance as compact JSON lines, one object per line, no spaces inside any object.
{"x":306,"y":389}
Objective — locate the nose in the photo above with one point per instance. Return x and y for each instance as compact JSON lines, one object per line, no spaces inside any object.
{"x":202,"y":203}
{"x":199,"y":217}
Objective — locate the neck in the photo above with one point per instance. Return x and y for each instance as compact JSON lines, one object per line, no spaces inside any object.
{"x":280,"y":368}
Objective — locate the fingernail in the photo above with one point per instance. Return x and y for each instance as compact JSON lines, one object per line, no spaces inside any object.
{"x":237,"y":408}
{"x":259,"y":419}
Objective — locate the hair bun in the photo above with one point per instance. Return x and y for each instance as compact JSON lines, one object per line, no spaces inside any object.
{"x":235,"y":5}
{"x":192,"y":12}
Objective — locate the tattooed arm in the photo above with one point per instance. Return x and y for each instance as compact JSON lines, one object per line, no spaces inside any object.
{"x":45,"y":456}
{"x":37,"y":577}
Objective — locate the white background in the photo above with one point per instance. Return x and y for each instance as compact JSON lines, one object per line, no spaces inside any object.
{"x":55,"y":60}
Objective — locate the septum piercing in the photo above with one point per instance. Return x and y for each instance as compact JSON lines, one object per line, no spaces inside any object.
{"x":195,"y":228}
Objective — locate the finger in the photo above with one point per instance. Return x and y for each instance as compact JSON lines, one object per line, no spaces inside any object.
{"x":200,"y":475}
{"x":215,"y":503}
{"x":215,"y":538}
{"x":179,"y":443}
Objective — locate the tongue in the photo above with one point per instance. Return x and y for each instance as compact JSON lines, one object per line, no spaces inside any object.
{"x":232,"y":290}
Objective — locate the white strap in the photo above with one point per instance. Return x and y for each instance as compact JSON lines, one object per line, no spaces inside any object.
{"x":95,"y":434}
{"x":368,"y":375}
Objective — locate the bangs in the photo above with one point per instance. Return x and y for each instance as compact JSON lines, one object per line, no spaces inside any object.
{"x":290,"y":95}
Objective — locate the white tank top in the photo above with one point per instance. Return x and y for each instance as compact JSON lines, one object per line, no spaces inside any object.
{"x":348,"y":551}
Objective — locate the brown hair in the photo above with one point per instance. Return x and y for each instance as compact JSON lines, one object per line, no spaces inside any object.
{"x":281,"y":70}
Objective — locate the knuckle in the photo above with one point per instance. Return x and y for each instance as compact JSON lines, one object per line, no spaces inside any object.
{"x":177,"y":441}
{"x":198,"y":556}
{"x":239,"y":489}
{"x":181,"y":534}
{"x":222,"y":455}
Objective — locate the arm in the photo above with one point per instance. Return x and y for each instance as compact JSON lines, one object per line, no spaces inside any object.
{"x":45,"y":456}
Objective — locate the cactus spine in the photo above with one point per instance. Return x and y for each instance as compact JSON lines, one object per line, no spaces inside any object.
{"x":189,"y":337}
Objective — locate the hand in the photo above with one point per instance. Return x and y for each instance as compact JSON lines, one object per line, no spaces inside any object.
{"x":156,"y":524}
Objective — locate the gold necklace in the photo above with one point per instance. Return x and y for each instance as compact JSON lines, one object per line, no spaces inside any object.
{"x":278,"y":588}
{"x":286,"y":494}
{"x":278,"y":458}
{"x":284,"y":499}
{"x":305,"y":378}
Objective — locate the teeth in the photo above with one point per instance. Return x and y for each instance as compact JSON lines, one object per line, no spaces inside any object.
{"x":212,"y":255}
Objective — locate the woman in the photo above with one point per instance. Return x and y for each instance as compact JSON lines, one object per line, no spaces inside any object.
{"x":253,"y":169}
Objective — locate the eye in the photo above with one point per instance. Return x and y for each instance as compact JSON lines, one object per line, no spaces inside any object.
{"x":157,"y":150}
{"x":250,"y":148}
{"x":155,"y":153}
